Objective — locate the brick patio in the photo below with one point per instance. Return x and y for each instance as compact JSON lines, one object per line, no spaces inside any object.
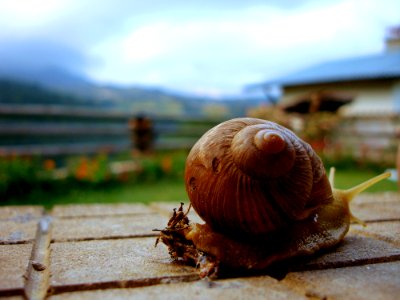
{"x":107,"y":252}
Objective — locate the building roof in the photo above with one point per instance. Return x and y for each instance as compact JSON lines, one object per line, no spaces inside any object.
{"x":380,"y":66}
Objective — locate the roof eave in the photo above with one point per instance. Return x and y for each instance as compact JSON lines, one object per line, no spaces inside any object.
{"x":322,"y":81}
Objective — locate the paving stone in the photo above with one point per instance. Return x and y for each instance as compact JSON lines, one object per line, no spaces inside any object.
{"x":354,"y":250}
{"x":387,"y":231}
{"x":377,"y":197}
{"x":14,"y":261}
{"x":376,"y":211}
{"x":242,"y":288}
{"x":107,"y":252}
{"x":113,"y":263}
{"x":18,"y":223}
{"x":83,"y":210}
{"x":88,"y":228}
{"x":12,"y":232}
{"x":20,"y":212}
{"x":166,"y":209}
{"x":374,"y":281}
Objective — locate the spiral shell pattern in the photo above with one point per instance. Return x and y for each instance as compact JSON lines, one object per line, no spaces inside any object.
{"x":249,"y":176}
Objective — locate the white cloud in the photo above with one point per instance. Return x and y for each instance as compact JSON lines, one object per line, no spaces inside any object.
{"x":154,"y":40}
{"x":219,"y":49}
{"x":203,"y":47}
{"x":28,"y":15}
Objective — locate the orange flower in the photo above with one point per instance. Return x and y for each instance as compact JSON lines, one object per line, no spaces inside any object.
{"x":82,"y":170}
{"x":166,"y":164}
{"x":49,"y":164}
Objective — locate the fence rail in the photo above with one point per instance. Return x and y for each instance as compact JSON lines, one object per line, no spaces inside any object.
{"x":55,"y":130}
{"x":368,"y":138}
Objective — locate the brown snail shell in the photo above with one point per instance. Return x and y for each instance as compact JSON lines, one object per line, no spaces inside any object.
{"x":251,"y":176}
{"x":264,"y":196}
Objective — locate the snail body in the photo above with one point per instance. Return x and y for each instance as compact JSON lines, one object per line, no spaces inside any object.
{"x":264,"y":196}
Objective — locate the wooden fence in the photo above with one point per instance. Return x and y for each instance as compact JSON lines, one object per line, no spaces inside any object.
{"x":54,"y":130}
{"x":367,"y":138}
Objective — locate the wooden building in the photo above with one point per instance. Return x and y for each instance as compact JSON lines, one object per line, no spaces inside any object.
{"x":364,"y":90}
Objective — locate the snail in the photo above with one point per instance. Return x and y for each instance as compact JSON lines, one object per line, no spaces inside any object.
{"x":264,"y":196}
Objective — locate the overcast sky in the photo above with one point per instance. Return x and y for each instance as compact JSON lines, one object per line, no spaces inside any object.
{"x":207,"y":47}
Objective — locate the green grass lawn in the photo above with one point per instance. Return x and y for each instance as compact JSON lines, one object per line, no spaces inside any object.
{"x":165,"y":190}
{"x":345,"y":179}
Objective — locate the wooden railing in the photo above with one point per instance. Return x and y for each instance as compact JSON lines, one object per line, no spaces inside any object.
{"x":54,"y":130}
{"x":368,"y":138}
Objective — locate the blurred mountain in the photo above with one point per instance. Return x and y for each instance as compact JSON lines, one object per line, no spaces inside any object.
{"x":58,"y":86}
{"x":21,"y":93}
{"x":51,"y":77}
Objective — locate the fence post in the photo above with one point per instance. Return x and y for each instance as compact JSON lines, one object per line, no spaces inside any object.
{"x":142,"y":134}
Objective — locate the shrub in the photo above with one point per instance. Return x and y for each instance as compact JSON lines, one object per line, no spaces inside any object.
{"x":20,"y":176}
